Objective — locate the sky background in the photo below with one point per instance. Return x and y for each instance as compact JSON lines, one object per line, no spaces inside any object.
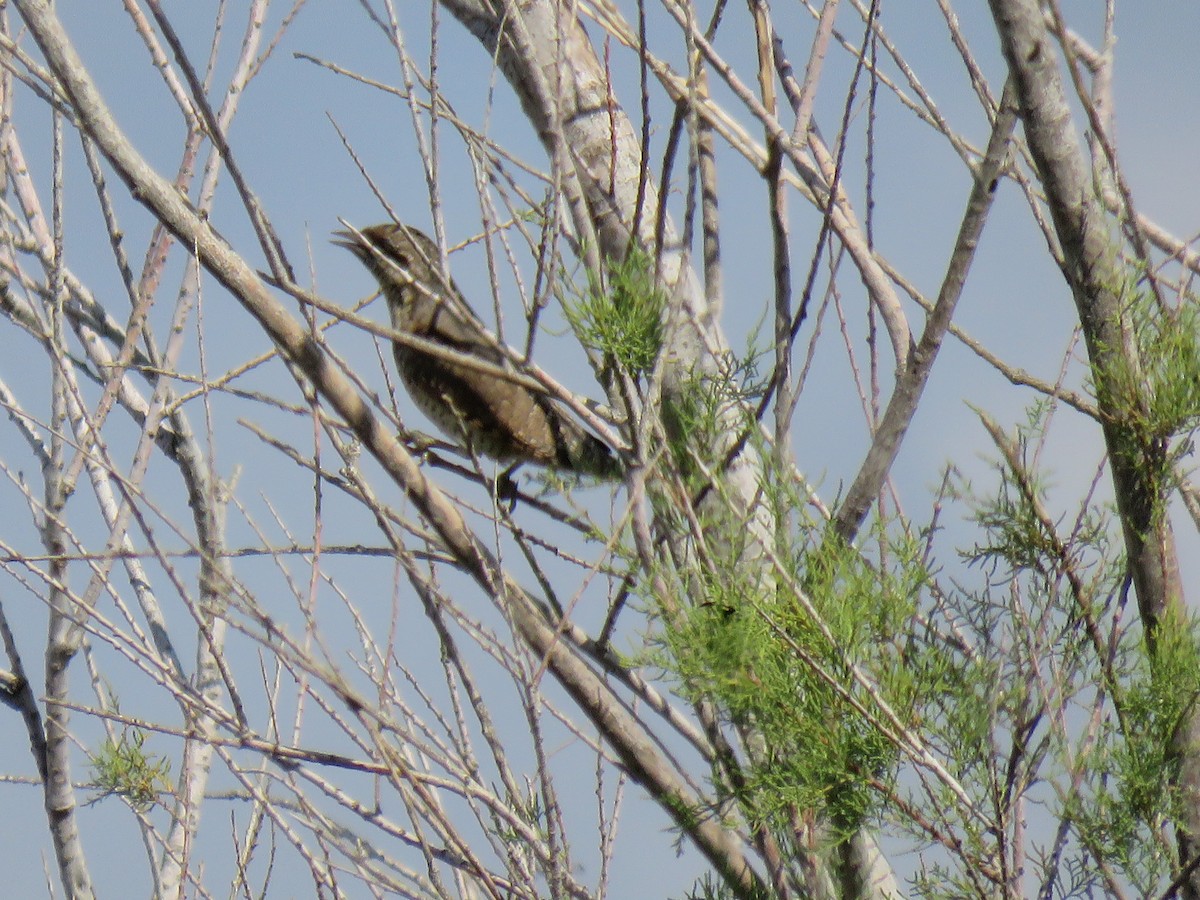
{"x":285,"y":139}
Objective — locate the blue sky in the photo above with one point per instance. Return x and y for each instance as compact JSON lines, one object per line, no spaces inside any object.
{"x":1015,"y":300}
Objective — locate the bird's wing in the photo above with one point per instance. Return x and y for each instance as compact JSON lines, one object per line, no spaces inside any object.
{"x":447,"y":325}
{"x":507,"y":420}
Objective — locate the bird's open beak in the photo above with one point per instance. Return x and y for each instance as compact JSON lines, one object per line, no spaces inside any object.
{"x":351,"y":241}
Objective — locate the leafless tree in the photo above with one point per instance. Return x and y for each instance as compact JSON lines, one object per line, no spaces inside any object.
{"x":303,"y":633}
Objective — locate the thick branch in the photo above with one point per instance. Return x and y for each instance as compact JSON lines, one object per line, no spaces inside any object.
{"x":911,"y":383}
{"x":1092,"y":270}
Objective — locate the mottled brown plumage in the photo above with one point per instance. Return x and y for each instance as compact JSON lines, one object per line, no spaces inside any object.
{"x":493,"y":415}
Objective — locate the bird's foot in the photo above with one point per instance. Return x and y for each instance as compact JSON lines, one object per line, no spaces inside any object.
{"x":504,"y":487}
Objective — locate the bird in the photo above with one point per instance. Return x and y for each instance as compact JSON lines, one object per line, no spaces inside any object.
{"x":491,"y":414}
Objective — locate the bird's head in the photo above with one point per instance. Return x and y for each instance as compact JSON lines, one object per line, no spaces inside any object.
{"x":395,"y":254}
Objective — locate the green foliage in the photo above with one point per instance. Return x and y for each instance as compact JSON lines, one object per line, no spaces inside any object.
{"x":1017,"y":532}
{"x":939,"y":882}
{"x":623,"y":322}
{"x":828,"y":659}
{"x":1047,"y":636}
{"x":1132,"y":788}
{"x":1151,"y":392}
{"x":707,"y":887}
{"x":1160,"y":396}
{"x":124,"y":767}
{"x":1013,"y":532}
{"x":702,"y":410}
{"x":802,"y":665}
{"x":530,"y":810}
{"x":1170,"y":348}
{"x":1155,"y":705}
